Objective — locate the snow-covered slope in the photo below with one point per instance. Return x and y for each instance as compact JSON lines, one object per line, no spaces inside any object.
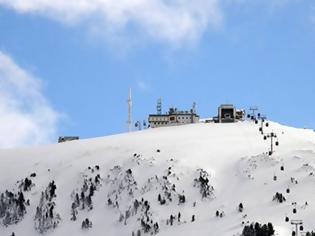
{"x":169,"y":161}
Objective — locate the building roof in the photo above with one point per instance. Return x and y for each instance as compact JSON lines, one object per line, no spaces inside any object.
{"x":226,"y":106}
{"x":175,"y":114}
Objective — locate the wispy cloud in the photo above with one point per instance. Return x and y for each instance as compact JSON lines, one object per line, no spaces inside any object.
{"x":26,"y":118}
{"x":143,"y":85}
{"x":172,"y":21}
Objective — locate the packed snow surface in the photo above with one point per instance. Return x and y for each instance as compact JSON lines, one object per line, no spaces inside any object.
{"x":232,"y":158}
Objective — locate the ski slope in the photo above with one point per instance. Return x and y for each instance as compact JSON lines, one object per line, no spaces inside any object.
{"x":234,"y":155}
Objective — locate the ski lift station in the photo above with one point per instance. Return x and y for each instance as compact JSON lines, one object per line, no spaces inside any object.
{"x":227,"y":113}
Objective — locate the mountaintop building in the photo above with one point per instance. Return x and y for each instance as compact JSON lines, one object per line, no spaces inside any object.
{"x":227,"y":113}
{"x":173,"y":117}
{"x":63,"y":139}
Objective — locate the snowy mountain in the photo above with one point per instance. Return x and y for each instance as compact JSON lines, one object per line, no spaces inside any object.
{"x":136,"y":181}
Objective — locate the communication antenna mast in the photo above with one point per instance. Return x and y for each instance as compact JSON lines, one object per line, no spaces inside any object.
{"x":159,"y":106}
{"x":194,"y":108}
{"x":129,"y":122}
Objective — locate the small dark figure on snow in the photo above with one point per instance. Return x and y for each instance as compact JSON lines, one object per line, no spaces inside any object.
{"x":33,"y":175}
{"x":182,"y":199}
{"x":172,"y":219}
{"x":240,"y":207}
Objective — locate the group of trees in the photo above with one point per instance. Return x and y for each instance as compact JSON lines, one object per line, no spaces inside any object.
{"x":256,"y":229}
{"x":279,"y":197}
{"x":124,"y":186}
{"x":123,"y":183}
{"x":147,"y":223}
{"x":128,"y":183}
{"x":149,"y":226}
{"x":86,"y":224}
{"x":26,"y":184}
{"x":12,"y":207}
{"x":45,"y":217}
{"x":141,"y":209}
{"x":84,"y":199}
{"x":168,"y":191}
{"x":206,"y":190}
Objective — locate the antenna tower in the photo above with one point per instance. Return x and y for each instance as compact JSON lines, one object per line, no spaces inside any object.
{"x":194,"y":108}
{"x":159,"y":106}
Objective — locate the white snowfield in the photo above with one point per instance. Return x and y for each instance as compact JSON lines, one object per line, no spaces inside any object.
{"x":234,"y":155}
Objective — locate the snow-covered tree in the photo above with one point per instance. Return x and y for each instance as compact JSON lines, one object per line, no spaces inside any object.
{"x":45,"y":217}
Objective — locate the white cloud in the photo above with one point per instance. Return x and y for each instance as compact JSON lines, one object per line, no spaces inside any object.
{"x":143,"y":85}
{"x":171,"y":21}
{"x":26,"y":118}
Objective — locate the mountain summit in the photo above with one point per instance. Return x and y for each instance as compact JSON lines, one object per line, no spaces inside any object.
{"x":199,"y":179}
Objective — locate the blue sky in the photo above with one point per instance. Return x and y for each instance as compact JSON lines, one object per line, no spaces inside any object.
{"x":83,"y":60}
